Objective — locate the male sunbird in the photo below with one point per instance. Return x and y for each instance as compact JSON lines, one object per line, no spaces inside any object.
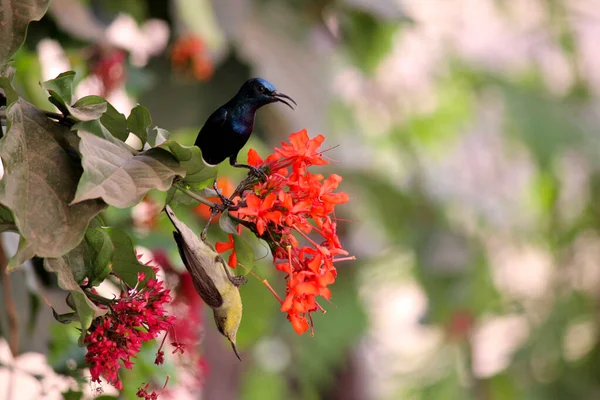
{"x":228,"y":129}
{"x":211,"y":278}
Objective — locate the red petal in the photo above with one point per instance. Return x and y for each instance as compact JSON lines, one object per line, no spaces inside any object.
{"x":232,"y":260}
{"x":307,"y":288}
{"x":253,"y":158}
{"x":287,"y":303}
{"x":222,"y":247}
{"x":300,"y":324}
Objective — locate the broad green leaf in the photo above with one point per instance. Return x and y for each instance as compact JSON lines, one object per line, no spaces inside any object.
{"x":88,"y":108}
{"x":139,"y":121}
{"x":121,"y":179}
{"x":86,"y":311}
{"x":190,"y":158}
{"x":61,"y":88}
{"x":40,"y":180}
{"x":101,"y":250}
{"x":158,"y":136}
{"x":125,"y":264}
{"x":115,"y":122}
{"x":79,"y":262}
{"x":227,"y":224}
{"x":243,"y":251}
{"x":15,"y":16}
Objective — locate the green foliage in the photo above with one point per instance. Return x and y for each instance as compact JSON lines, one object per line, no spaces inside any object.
{"x":42,"y":175}
{"x":88,"y":108}
{"x":139,"y":121}
{"x":112,"y":172}
{"x":190,"y":158}
{"x":67,"y":268}
{"x":115,"y":123}
{"x":244,"y":252}
{"x":335,"y":333}
{"x":227,"y":224}
{"x":368,"y":39}
{"x":125,"y":262}
{"x":101,"y":250}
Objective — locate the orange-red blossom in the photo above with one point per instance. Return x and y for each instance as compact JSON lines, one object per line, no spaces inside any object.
{"x":294,"y":206}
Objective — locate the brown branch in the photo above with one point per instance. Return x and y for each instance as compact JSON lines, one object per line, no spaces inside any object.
{"x":9,"y":303}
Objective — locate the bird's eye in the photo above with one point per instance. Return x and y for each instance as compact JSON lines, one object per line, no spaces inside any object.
{"x":262,"y":89}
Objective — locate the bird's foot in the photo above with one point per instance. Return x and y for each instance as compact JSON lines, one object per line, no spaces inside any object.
{"x":226,"y":201}
{"x":238,"y":280}
{"x":257,"y":172}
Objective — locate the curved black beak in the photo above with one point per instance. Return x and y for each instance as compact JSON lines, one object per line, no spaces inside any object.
{"x":235,"y":350}
{"x":280,"y":96}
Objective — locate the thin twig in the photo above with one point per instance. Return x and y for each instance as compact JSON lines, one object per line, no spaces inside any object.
{"x":9,"y":303}
{"x":193,"y":195}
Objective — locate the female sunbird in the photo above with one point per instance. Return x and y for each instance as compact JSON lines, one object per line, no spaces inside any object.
{"x":211,"y":278}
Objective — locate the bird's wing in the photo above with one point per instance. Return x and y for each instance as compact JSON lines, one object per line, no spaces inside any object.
{"x":209,"y":138}
{"x":213,"y":124}
{"x":202,"y":282}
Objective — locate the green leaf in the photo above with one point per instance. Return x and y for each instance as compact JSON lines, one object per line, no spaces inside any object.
{"x":227,"y":224}
{"x":65,"y":318}
{"x":88,"y":108}
{"x":64,"y":268}
{"x":115,"y":122}
{"x":15,"y":16}
{"x":243,"y":251}
{"x":61,"y":88}
{"x":158,"y":136}
{"x":7,"y":220}
{"x":139,"y":121}
{"x":190,"y":158}
{"x":6,"y":87}
{"x":101,"y":250}
{"x":121,"y":179}
{"x":125,"y":264}
{"x":40,"y":180}
{"x":24,"y":253}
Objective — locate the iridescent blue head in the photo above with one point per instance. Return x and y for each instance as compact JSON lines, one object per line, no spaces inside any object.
{"x":260,"y":92}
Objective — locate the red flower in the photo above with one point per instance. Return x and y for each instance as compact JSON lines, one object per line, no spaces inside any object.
{"x":283,"y":210}
{"x":260,"y":209}
{"x":135,"y":317}
{"x":222,"y":247}
{"x":190,"y":56}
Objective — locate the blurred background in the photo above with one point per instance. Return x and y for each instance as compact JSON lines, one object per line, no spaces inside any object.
{"x":466,"y":134}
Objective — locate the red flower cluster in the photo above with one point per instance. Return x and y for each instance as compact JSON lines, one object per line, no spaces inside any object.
{"x":136,"y":316}
{"x":294,"y":203}
{"x":190,"y":56}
